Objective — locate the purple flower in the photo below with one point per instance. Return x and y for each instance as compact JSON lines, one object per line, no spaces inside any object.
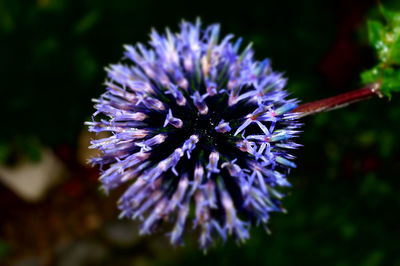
{"x":200,"y":132}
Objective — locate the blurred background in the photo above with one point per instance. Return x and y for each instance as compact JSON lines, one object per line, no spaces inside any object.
{"x":343,"y":208}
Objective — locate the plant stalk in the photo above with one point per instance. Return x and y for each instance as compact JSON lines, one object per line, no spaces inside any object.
{"x":339,"y":101}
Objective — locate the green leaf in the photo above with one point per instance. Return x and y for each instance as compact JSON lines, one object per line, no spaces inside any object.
{"x":390,"y":81}
{"x":391,"y":16}
{"x":384,"y":37}
{"x":395,"y":51}
{"x":375,"y":33}
{"x":371,"y":75}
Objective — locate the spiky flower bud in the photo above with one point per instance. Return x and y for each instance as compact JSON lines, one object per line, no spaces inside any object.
{"x":199,"y":130}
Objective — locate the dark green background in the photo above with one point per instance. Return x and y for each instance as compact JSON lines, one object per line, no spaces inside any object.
{"x":343,"y":208}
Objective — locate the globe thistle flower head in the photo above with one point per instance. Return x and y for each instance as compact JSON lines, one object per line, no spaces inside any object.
{"x":199,"y":133}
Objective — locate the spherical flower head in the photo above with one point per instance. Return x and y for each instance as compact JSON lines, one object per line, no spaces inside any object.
{"x":199,"y":131}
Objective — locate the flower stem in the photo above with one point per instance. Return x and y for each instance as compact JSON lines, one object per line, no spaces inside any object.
{"x":340,"y":100}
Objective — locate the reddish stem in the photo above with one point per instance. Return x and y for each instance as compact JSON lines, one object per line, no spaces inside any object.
{"x":340,"y":100}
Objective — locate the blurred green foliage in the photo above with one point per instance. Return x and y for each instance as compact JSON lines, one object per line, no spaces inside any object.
{"x":384,"y":37}
{"x":344,"y":203}
{"x":4,"y":249}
